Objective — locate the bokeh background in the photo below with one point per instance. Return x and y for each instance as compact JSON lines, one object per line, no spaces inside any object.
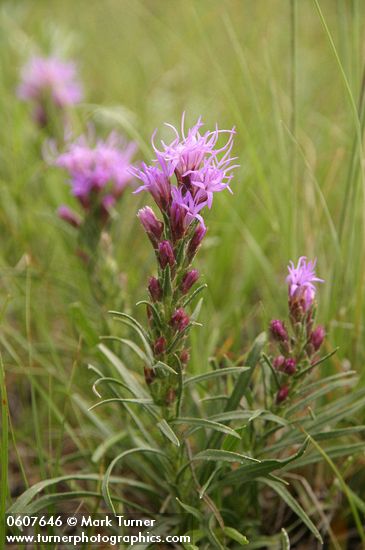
{"x":288,"y":77}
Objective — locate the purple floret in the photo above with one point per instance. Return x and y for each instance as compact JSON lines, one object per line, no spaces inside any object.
{"x":300,"y":281}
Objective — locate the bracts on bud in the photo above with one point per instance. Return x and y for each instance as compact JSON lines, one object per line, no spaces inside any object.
{"x":166,"y":254}
{"x":155,"y":289}
{"x":152,"y":226}
{"x":189,"y":279}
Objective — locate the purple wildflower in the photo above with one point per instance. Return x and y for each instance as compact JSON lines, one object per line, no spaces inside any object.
{"x":191,"y":204}
{"x":102,"y":167}
{"x":300,"y":282}
{"x":200,"y":168}
{"x":189,"y":152}
{"x":156,"y":180}
{"x":44,"y":77}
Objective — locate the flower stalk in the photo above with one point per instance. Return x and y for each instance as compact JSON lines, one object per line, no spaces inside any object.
{"x":298,"y":347}
{"x":182,"y":181}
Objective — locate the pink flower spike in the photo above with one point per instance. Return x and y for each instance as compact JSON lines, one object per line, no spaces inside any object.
{"x":300,"y":281}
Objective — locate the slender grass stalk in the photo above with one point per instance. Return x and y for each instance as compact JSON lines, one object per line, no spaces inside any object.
{"x":344,"y":487}
{"x":3,"y":452}
{"x":293,"y":125}
{"x":36,"y":419}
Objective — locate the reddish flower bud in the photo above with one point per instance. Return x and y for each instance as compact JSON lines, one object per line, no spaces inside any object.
{"x":155,"y":289}
{"x":159,"y":346}
{"x":177,"y":221}
{"x":317,"y":337}
{"x":184,"y":356}
{"x":149,"y":375}
{"x":196,"y":240}
{"x":179,"y":320}
{"x":170,"y":396}
{"x":152,"y":226}
{"x":189,"y":279}
{"x":290,"y":366}
{"x":166,"y":254}
{"x":279,"y":362}
{"x":282,"y":394}
{"x":66,"y":214}
{"x":278,"y":331}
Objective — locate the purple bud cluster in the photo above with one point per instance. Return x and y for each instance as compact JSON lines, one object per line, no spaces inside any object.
{"x":298,"y":347}
{"x":182,"y":181}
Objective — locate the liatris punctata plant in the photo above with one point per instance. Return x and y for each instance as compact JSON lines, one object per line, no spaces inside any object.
{"x":182,"y":181}
{"x":51,"y":86}
{"x":99,"y":174}
{"x":299,"y":343}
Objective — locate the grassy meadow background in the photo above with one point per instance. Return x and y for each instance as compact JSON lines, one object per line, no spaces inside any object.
{"x":290,"y":77}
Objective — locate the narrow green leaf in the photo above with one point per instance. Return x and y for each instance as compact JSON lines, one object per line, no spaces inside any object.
{"x":125,"y":373}
{"x":191,"y":510}
{"x":190,"y":298}
{"x":285,"y":542}
{"x":293,"y":504}
{"x":203,"y":423}
{"x":224,"y":456}
{"x":122,"y":400}
{"x":107,"y":475}
{"x":235,"y":535}
{"x":214,"y":374}
{"x":168,"y":432}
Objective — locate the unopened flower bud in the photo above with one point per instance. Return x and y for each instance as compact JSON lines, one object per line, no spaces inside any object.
{"x":177,"y":221}
{"x":149,"y":375}
{"x":290,"y":366}
{"x":317,"y":337}
{"x":66,"y":214}
{"x":179,"y":320}
{"x":189,"y":279}
{"x":282,"y":394}
{"x":279,"y":362}
{"x":166,"y":254}
{"x":184,"y":356}
{"x":278,"y":331}
{"x":159,"y":346}
{"x":155,"y":289}
{"x":152,"y":226}
{"x":170,"y":396}
{"x":196,"y":240}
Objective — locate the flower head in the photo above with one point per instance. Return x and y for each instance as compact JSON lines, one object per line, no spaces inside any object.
{"x":300,"y":282}
{"x":200,"y":167}
{"x":156,"y":180}
{"x":52,"y":77}
{"x":100,"y":167}
{"x":188,"y":152}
